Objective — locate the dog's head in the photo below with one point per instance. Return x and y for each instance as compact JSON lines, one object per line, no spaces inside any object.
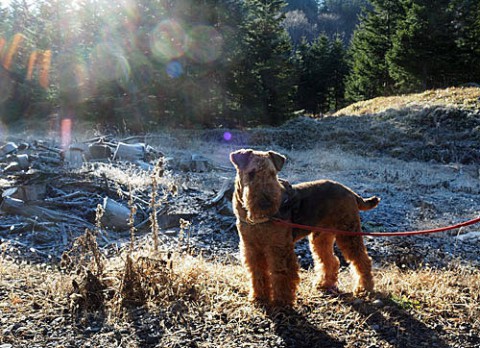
{"x":257,"y":183}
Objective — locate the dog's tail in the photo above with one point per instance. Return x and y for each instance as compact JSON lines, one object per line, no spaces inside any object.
{"x":368,"y":203}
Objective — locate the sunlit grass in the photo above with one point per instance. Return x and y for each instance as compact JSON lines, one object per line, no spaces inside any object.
{"x":465,"y":98}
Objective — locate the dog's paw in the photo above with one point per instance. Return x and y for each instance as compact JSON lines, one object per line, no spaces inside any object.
{"x":260,"y":301}
{"x":363,"y":289}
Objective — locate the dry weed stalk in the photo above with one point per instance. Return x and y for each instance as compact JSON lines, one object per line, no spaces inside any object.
{"x":84,"y":255}
{"x":98,"y":218}
{"x":86,"y":259}
{"x":184,"y":234}
{"x":131,"y":290}
{"x":153,"y":205}
{"x":131,"y":219}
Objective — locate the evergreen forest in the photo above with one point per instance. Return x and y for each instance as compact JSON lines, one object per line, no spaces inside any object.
{"x":232,"y":63}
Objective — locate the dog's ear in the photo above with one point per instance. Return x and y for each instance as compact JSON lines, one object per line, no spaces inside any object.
{"x":277,"y":159}
{"x":241,"y":158}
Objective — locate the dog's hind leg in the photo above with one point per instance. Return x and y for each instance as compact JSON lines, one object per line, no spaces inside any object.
{"x":354,"y":251}
{"x":326,"y":263}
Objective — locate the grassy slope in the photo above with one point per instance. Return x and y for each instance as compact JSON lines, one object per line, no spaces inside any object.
{"x":461,"y":98}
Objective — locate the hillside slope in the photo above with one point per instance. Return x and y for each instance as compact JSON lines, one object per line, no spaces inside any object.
{"x":441,"y":126}
{"x":455,"y":97}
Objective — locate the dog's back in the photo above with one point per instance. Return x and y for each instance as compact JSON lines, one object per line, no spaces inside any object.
{"x":328,"y":203}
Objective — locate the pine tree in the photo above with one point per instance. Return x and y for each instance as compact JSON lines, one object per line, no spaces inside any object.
{"x":340,"y":17}
{"x":338,"y":71}
{"x":321,"y":69}
{"x":314,"y":75}
{"x":308,"y":7}
{"x":369,"y":76}
{"x":467,"y":34}
{"x":423,"y":54}
{"x":261,"y":83}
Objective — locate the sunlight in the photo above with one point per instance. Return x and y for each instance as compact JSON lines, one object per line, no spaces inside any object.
{"x":66,"y":132}
{"x":115,"y":47}
{"x":12,"y":50}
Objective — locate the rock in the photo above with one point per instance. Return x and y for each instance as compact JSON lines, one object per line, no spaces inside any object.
{"x":12,"y":167}
{"x":145,"y":166}
{"x":377,"y":303}
{"x":28,"y":193}
{"x":11,"y":205}
{"x":153,"y":154}
{"x":200,"y":163}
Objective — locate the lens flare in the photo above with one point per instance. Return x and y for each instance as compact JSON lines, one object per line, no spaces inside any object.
{"x":168,"y":40}
{"x":44,"y":74}
{"x":205,"y":44}
{"x":109,"y":63}
{"x":174,"y":69}
{"x":3,"y":42}
{"x":227,"y":136}
{"x":66,"y":132}
{"x":31,"y":64}
{"x":12,"y":50}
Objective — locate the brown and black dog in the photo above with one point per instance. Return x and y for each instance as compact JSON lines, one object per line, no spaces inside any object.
{"x":268,"y":249}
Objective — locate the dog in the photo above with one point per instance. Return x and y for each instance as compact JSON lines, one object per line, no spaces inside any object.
{"x":268,"y":249}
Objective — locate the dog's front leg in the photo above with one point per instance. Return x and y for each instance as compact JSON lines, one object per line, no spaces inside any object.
{"x":255,"y":261}
{"x":284,"y":268}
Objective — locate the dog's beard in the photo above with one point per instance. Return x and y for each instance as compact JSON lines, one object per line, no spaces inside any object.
{"x":262,"y":206}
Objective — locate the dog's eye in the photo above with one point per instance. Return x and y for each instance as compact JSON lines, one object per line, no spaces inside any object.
{"x":251,"y":175}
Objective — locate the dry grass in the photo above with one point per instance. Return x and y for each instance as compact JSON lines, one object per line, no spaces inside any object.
{"x":195,"y":300}
{"x":464,"y":98}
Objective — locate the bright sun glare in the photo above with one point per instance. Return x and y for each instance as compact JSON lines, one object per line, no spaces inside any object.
{"x":110,"y":57}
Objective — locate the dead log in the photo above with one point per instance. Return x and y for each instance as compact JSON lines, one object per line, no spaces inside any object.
{"x":23,"y":161}
{"x":16,"y":206}
{"x":27,"y":193}
{"x":129,"y":152}
{"x":99,"y":151}
{"x":74,"y":156}
{"x":115,"y":216}
{"x":8,"y":148}
{"x":47,"y":148}
{"x":225,"y":191}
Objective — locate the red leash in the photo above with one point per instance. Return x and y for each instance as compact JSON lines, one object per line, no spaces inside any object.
{"x":376,"y":234}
